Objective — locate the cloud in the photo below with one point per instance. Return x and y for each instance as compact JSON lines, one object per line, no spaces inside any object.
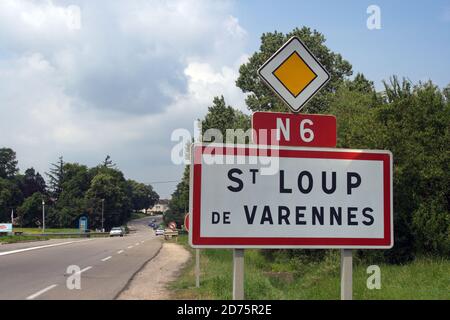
{"x":84,"y":79}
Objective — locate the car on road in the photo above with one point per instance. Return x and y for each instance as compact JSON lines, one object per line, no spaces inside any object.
{"x":159,"y":232}
{"x":117,"y":232}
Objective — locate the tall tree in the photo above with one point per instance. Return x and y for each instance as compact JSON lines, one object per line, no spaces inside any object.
{"x":179,"y":203}
{"x":142,"y":196}
{"x":261,"y":98}
{"x":110,"y":185}
{"x":56,"y":178}
{"x":8,"y":163}
{"x":107,"y":163}
{"x":221,"y":116}
{"x":65,"y":210}
{"x":30,"y":211}
{"x":32,"y":182}
{"x":10,"y":198}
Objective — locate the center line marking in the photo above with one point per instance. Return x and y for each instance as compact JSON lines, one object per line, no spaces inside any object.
{"x":83,"y":270}
{"x":107,"y":258}
{"x":37,"y":294}
{"x":137,"y":243}
{"x":130,"y":247}
{"x":119,"y":252}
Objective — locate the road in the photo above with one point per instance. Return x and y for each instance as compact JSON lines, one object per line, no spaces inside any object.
{"x":39,"y":270}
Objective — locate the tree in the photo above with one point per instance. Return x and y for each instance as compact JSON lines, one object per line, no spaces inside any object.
{"x":413,"y":122}
{"x":446,"y":92}
{"x":179,"y":203}
{"x":32,"y":182}
{"x":10,"y":198}
{"x":110,"y":185}
{"x":261,"y":98}
{"x":8,"y":163}
{"x":56,"y":177}
{"x":142,"y":196}
{"x":30,"y":212}
{"x":65,"y":210}
{"x":222,"y":117}
{"x":361,"y":84}
{"x":107,"y":163}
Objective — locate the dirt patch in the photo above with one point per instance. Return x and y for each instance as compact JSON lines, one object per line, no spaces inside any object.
{"x":151,"y":282}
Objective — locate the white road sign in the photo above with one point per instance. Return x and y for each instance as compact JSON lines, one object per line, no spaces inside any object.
{"x":242,"y":197}
{"x":294,"y":74}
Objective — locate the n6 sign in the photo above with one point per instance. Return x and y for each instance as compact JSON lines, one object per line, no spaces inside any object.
{"x":302,"y":130}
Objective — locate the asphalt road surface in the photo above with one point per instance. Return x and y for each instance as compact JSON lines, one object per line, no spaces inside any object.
{"x":39,"y":270}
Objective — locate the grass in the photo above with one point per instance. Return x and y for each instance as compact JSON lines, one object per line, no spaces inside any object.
{"x":34,"y":234}
{"x":50,"y":230}
{"x":15,"y":239}
{"x":425,"y":278}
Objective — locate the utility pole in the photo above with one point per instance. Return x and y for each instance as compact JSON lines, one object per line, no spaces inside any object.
{"x":43,"y":216}
{"x":103,"y":210}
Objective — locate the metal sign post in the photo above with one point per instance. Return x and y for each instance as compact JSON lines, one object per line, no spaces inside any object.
{"x":197,"y":268}
{"x":238,"y":274}
{"x":346,"y":274}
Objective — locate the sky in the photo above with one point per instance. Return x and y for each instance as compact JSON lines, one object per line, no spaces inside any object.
{"x":84,"y":79}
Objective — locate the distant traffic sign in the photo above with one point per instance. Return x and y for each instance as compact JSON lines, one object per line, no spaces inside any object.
{"x":297,"y":130}
{"x":294,"y":74}
{"x":172,"y":225}
{"x":318,"y":197}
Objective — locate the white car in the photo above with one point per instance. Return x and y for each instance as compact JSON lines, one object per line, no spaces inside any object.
{"x":159,"y":232}
{"x":117,"y":231}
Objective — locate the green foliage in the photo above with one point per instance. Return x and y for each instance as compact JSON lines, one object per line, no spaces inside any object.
{"x":32,"y":182}
{"x":56,"y":177}
{"x":285,"y":277}
{"x":142,"y":196}
{"x":30,"y":212}
{"x":70,"y":204}
{"x":222,"y":117}
{"x":261,"y":98}
{"x":74,"y":190}
{"x":110,"y":185}
{"x":179,"y":204}
{"x":10,"y":197}
{"x":8,"y":163}
{"x":413,"y":123}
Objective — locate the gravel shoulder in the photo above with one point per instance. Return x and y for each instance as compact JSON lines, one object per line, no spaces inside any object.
{"x":150,"y":283}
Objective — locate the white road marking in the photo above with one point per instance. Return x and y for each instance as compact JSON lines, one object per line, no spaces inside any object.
{"x":119,"y":252}
{"x":107,"y":258}
{"x":37,"y":294}
{"x":83,"y":270}
{"x":40,"y":247}
{"x":142,"y":241}
{"x":130,"y":247}
{"x":137,"y":243}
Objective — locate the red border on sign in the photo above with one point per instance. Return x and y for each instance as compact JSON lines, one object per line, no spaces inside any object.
{"x":273,"y":241}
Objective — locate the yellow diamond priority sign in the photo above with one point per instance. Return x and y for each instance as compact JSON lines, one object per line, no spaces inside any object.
{"x":294,"y":74}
